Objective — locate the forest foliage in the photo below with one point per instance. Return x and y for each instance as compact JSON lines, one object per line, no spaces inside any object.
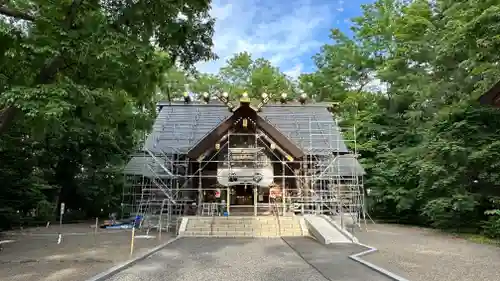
{"x":78,"y":87}
{"x":241,"y":73}
{"x":430,"y":151}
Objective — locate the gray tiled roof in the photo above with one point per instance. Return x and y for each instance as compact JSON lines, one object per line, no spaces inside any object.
{"x":179,"y":127}
{"x":138,"y":166}
{"x":343,"y":165}
{"x":144,"y":165}
{"x":311,"y":128}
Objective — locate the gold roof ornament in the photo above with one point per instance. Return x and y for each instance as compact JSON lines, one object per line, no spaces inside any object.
{"x":334,"y":107}
{"x":244,"y":98}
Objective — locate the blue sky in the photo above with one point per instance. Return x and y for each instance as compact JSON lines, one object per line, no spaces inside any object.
{"x":288,"y":33}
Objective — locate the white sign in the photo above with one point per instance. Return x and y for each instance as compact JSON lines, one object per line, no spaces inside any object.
{"x":217,"y":193}
{"x":62,"y":208}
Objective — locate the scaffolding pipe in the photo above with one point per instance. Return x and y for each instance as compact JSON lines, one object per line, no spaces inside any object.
{"x":319,"y":176}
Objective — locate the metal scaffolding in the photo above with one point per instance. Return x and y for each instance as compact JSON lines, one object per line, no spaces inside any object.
{"x":163,"y":184}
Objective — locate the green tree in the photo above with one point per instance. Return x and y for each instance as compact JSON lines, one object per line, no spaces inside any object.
{"x":430,"y":150}
{"x":202,"y":82}
{"x":58,"y":50}
{"x":78,"y":85}
{"x":243,"y":74}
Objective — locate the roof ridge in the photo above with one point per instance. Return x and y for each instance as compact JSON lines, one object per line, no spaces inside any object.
{"x":216,"y":103}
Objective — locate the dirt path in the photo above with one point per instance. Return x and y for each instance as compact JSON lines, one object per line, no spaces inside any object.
{"x":427,"y":255}
{"x":35,"y":255}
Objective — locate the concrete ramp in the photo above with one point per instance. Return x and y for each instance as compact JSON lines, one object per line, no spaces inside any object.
{"x":324,"y":231}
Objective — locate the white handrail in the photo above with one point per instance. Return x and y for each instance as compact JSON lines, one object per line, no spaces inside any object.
{"x":157,"y":178}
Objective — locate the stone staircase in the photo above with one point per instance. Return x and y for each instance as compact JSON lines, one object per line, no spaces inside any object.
{"x":241,"y":226}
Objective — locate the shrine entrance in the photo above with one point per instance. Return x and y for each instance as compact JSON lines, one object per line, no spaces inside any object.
{"x":242,"y":199}
{"x":242,"y":195}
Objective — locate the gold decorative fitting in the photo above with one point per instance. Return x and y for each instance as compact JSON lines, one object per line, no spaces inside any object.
{"x":245,"y":98}
{"x":334,"y":107}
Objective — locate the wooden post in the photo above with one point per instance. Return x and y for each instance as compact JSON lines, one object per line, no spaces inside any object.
{"x":228,"y":199}
{"x":283,"y":187}
{"x":132,"y":241}
{"x":61,"y":213}
{"x":255,"y":197}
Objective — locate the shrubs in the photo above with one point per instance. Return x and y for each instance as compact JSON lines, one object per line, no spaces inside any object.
{"x":491,"y":227}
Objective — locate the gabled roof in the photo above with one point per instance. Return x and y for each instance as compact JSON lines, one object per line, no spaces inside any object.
{"x":312,"y":128}
{"x":245,"y":111}
{"x":179,"y":127}
{"x":492,"y":96}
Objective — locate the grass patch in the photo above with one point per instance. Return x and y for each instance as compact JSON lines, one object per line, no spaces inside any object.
{"x":480,"y":239}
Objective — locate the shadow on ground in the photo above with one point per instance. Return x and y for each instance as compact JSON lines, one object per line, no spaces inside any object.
{"x":333,"y":260}
{"x":249,"y":259}
{"x":35,"y":255}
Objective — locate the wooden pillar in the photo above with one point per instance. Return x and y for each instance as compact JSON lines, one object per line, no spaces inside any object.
{"x":228,"y":199}
{"x":255,"y":197}
{"x":283,"y":164}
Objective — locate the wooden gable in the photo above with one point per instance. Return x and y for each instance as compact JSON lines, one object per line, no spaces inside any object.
{"x":244,"y":111}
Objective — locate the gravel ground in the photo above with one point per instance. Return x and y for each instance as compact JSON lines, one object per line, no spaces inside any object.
{"x":414,"y":253}
{"x":35,"y":256}
{"x":249,"y":259}
{"x":427,"y":255}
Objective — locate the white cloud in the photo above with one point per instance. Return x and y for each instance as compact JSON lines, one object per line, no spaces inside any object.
{"x":279,"y":31}
{"x":295,"y":71}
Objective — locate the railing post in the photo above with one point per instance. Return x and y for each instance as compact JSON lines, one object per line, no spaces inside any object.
{"x":255,"y":195}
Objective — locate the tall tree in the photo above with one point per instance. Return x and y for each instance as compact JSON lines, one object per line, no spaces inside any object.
{"x":60,"y":49}
{"x":243,"y":74}
{"x":78,"y":83}
{"x":429,"y":149}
